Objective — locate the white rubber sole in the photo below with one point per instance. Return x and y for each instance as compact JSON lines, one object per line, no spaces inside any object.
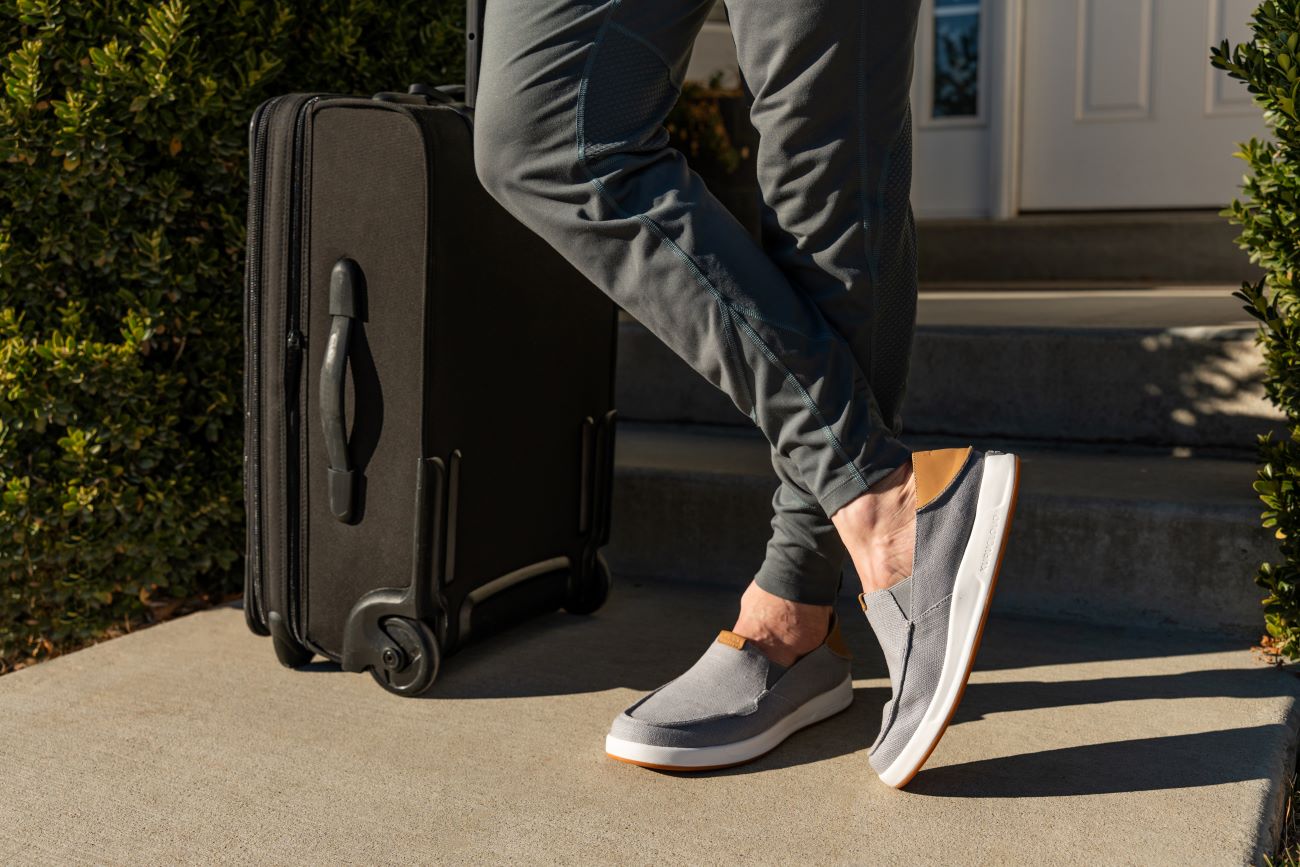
{"x":814,"y":710}
{"x":970,"y":601}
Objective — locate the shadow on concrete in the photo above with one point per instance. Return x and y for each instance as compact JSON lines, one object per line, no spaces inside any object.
{"x":1012,"y":642}
{"x":1140,"y":765}
{"x":984,"y":699}
{"x":1144,"y":764}
{"x":1171,"y":762}
{"x":1074,"y":770}
{"x":648,"y":635}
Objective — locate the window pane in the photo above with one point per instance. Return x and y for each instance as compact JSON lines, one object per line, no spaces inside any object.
{"x":956,"y":63}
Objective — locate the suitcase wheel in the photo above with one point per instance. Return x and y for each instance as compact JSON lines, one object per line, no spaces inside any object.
{"x":411,"y":660}
{"x":591,"y":587}
{"x":292,"y":655}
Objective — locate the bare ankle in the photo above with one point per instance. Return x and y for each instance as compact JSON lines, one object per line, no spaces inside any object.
{"x":879,"y":530}
{"x":781,"y":629}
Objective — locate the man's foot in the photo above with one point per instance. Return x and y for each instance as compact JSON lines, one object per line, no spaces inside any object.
{"x":929,"y":624}
{"x":879,"y":530}
{"x":782,"y":629}
{"x":732,"y":706}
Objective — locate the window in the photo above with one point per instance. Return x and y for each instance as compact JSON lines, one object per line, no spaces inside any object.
{"x":956,"y":58}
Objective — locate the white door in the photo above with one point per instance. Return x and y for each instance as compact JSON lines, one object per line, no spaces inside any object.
{"x":1122,"y":108}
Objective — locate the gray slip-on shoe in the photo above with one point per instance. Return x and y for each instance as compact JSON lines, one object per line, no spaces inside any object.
{"x":732,"y":706}
{"x":929,"y":625}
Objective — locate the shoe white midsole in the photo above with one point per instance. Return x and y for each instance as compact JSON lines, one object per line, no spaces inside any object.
{"x":814,"y":710}
{"x":970,"y":599}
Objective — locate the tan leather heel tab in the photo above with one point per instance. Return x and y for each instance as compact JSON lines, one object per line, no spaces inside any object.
{"x":935,"y":470}
{"x":835,"y":640}
{"x":731,"y":639}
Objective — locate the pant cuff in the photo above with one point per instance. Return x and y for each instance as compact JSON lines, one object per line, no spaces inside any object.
{"x":811,"y":586}
{"x":888,"y":456}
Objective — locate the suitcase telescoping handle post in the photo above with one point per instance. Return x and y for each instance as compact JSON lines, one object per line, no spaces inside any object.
{"x":424,"y":94}
{"x":345,"y":285}
{"x":473,"y":48}
{"x":449,"y":94}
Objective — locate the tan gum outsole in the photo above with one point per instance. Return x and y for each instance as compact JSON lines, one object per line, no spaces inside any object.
{"x":680,"y":769}
{"x":993,"y":584}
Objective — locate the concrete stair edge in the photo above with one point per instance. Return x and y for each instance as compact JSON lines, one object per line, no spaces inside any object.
{"x":1142,"y":540}
{"x":1190,"y":386}
{"x":1194,"y":246}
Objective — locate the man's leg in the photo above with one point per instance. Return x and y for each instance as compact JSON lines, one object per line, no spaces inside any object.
{"x":927,"y":540}
{"x":830,"y":84}
{"x":569,"y":137}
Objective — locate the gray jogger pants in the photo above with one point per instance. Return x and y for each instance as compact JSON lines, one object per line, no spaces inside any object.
{"x":808,"y":333}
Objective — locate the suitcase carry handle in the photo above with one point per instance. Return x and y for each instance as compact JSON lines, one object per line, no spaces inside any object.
{"x":345,"y":279}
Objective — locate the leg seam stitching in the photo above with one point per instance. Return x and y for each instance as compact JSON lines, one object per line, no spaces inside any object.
{"x":690,"y":263}
{"x":728,"y":325}
{"x":581,"y":131}
{"x":746,"y":328}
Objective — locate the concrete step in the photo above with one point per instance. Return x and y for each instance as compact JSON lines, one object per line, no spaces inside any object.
{"x":1144,"y":539}
{"x":1170,"y":246}
{"x":187,"y":743}
{"x":1165,"y":365}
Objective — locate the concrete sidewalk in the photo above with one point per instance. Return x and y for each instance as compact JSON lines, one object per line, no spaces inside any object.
{"x":187,"y":743}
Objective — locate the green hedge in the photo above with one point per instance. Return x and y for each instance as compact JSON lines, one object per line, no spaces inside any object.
{"x":122,"y":193}
{"x":1269,"y":64}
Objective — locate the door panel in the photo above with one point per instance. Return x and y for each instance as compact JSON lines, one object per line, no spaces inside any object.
{"x":1122,"y":109}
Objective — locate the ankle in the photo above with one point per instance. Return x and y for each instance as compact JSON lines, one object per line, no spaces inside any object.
{"x":781,"y":629}
{"x":879,"y":530}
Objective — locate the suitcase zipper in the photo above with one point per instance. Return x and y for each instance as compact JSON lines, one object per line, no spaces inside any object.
{"x":294,"y":340}
{"x":261,"y":609}
{"x":254,"y":604}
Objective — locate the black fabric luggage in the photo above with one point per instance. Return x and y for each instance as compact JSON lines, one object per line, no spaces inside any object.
{"x":428,"y":392}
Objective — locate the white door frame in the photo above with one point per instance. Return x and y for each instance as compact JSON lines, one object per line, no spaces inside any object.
{"x":1006,"y":21}
{"x":978,"y":155}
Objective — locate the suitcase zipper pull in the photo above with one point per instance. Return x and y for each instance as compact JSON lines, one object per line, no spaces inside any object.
{"x":295,"y":339}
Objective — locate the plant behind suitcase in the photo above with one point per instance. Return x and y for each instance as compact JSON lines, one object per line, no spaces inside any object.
{"x":122,"y":206}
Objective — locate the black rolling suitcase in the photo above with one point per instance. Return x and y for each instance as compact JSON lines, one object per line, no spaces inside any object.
{"x":428,"y":392}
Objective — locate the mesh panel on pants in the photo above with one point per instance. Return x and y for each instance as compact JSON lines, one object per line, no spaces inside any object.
{"x":895,"y":293}
{"x":629,"y":93}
